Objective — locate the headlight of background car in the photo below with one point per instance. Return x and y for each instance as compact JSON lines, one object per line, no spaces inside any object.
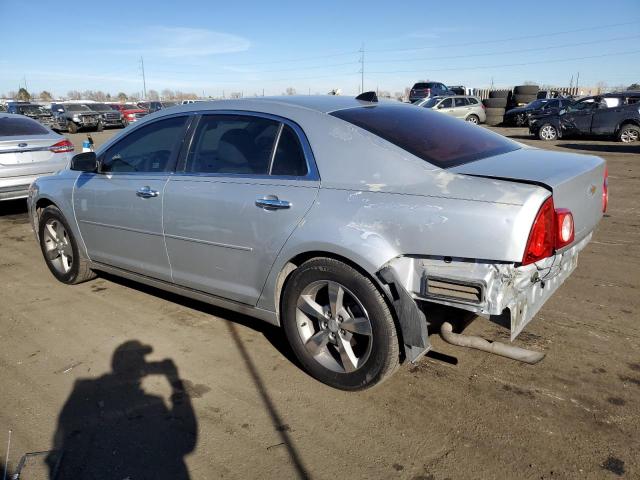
{"x":76,"y":118}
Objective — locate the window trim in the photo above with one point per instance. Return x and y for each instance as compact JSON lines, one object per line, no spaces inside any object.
{"x":176,"y":155}
{"x":312,"y":169}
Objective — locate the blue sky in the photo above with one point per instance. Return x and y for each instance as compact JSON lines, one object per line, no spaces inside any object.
{"x":214,"y":47}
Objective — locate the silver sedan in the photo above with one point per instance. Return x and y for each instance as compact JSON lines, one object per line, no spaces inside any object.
{"x":342,"y":220}
{"x":28,"y":150}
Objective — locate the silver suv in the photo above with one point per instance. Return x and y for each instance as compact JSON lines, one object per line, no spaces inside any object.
{"x":459,"y":106}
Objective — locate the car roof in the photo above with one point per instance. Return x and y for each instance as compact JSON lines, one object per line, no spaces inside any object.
{"x":318,"y":103}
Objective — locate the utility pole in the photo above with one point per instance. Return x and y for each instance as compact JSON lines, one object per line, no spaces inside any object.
{"x":144,"y":81}
{"x":362,"y":68}
{"x":578,"y":83}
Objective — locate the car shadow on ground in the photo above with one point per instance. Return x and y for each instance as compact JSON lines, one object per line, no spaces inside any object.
{"x":273,"y":334}
{"x":604,"y":148}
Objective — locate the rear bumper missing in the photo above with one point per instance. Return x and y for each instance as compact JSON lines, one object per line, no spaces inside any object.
{"x":486,"y":288}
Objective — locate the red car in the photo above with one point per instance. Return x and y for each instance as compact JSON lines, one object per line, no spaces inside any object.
{"x":130,"y":113}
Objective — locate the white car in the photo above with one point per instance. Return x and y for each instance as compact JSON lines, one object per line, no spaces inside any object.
{"x":28,"y":150}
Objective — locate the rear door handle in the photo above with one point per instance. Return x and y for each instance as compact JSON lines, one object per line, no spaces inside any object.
{"x":146,"y":192}
{"x":271,"y":202}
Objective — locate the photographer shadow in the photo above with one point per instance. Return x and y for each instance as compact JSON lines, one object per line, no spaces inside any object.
{"x":111,"y":428}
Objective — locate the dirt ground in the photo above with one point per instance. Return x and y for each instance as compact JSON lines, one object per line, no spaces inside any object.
{"x":258,"y":415}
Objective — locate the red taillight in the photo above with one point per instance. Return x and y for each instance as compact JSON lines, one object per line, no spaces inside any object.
{"x":63,"y":146}
{"x":541,"y":238}
{"x":605,"y":190}
{"x":552,"y":229}
{"x":564,"y":228}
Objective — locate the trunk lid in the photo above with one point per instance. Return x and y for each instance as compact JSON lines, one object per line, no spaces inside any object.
{"x":575,"y":180}
{"x":25,"y":150}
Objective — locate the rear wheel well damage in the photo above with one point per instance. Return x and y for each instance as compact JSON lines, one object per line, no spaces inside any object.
{"x":410,"y":321}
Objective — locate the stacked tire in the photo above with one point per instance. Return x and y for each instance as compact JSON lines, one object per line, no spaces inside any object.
{"x":523,"y":94}
{"x":495,"y":105}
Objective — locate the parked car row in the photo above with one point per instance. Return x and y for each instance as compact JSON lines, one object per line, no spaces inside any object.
{"x":611,"y":115}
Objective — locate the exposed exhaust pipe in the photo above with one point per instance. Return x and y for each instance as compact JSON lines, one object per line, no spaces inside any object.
{"x":502,"y":349}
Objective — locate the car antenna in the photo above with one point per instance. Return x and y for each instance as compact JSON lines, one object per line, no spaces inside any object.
{"x":368,"y":97}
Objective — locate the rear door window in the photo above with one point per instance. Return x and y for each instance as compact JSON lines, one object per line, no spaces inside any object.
{"x":439,"y":139}
{"x":472,"y":101}
{"x":460,"y":102}
{"x":232,"y":144}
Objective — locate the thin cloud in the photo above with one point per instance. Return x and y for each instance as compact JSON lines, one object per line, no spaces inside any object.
{"x":174,"y":42}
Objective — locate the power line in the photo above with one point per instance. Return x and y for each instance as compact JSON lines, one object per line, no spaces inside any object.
{"x":523,"y":37}
{"x":484,"y":67}
{"x":506,"y":52}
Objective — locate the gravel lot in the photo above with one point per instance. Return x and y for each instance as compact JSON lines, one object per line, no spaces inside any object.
{"x":574,"y":415}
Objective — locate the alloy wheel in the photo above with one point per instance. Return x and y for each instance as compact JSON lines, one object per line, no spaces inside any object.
{"x":57,"y":246}
{"x":334,"y":326}
{"x":548,"y":132}
{"x":629,"y":135}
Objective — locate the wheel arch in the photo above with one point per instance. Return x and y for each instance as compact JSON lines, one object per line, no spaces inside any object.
{"x":628,"y":121}
{"x":387,"y":291}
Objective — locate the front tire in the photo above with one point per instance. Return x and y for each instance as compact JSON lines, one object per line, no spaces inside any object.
{"x":339,"y":325}
{"x":60,"y":248}
{"x":547,"y":132}
{"x":629,"y":134}
{"x":72,"y":127}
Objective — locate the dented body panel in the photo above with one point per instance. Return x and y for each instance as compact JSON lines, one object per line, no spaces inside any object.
{"x":522,"y":290}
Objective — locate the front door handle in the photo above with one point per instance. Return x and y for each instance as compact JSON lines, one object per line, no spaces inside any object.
{"x":271,"y":202}
{"x":146,"y":192}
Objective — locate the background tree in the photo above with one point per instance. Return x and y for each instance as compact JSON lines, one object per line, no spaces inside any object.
{"x":74,"y":95}
{"x":290,"y":91}
{"x":153,"y":96}
{"x":134,"y":97}
{"x":634,"y":86}
{"x":23,"y":95}
{"x":168,"y":94}
{"x":122,"y":97}
{"x":108,"y":97}
{"x":45,"y":96}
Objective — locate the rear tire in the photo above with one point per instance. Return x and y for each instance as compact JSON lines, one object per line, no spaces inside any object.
{"x":547,"y":132}
{"x":60,"y":248}
{"x":629,"y":133}
{"x":349,"y":358}
{"x":473,"y":119}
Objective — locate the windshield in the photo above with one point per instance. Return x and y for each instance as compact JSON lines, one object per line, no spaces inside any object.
{"x":438,"y":139}
{"x":17,"y":126}
{"x":76,"y":107}
{"x":100,"y":107}
{"x":32,"y":109}
{"x":538,"y":103}
{"x":432,"y":102}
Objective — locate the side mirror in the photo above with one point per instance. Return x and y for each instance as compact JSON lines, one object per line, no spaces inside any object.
{"x":85,"y":162}
{"x":440,"y":106}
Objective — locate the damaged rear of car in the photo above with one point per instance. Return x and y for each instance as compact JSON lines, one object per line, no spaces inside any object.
{"x":495,"y":230}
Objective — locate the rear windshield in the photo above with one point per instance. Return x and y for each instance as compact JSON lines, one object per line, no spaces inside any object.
{"x":439,"y":139}
{"x":14,"y":127}
{"x":423,"y":85}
